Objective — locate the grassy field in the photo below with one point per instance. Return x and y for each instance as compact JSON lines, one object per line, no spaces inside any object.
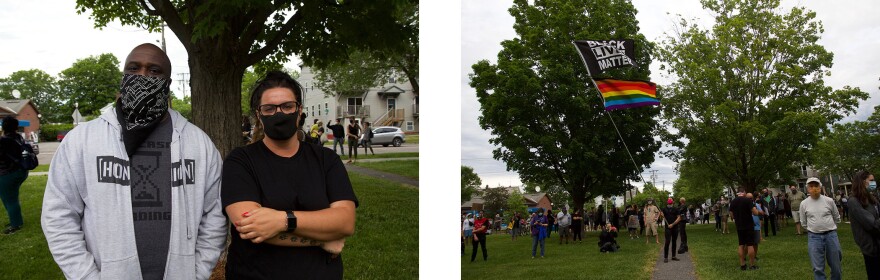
{"x":361,"y":155}
{"x":408,"y":168}
{"x":513,"y":259}
{"x":385,"y":244}
{"x":412,"y":139}
{"x":41,"y":168}
{"x":783,"y":256}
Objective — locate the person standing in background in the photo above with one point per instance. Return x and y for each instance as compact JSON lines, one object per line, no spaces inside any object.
{"x":12,"y":175}
{"x":795,"y":198}
{"x":865,"y":221}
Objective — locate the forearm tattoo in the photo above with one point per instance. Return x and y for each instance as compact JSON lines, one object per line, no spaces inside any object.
{"x":294,"y":239}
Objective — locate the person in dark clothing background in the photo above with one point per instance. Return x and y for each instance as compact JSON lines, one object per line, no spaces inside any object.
{"x":11,"y":174}
{"x":682,"y":210}
{"x":672,"y":217}
{"x":769,"y":212}
{"x":338,"y":135}
{"x":742,"y":210}
{"x":865,"y":221}
{"x":606,"y":240}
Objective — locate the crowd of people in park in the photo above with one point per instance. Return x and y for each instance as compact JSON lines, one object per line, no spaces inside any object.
{"x":756,"y":216}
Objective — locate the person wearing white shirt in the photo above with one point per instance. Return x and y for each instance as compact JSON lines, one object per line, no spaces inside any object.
{"x":563,"y":219}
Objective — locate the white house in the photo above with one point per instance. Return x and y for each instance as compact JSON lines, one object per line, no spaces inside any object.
{"x":392,"y":104}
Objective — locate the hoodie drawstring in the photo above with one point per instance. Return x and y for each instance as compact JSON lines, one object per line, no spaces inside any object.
{"x":183,"y":185}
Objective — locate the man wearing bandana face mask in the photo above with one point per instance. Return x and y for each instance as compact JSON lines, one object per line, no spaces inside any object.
{"x":134,"y":194}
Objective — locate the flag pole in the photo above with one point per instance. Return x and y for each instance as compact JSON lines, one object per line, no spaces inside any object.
{"x":607,"y":113}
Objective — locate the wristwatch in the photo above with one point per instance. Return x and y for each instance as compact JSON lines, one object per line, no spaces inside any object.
{"x":291,"y":221}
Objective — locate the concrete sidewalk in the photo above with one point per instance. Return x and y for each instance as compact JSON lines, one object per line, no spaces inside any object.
{"x":678,"y":270}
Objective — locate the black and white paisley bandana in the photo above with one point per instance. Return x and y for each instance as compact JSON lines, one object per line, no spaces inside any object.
{"x":142,"y":104}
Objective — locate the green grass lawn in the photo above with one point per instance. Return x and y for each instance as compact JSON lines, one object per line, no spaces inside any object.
{"x":385,"y":244}
{"x":41,"y":168}
{"x":783,"y":256}
{"x":513,"y":259}
{"x":408,"y":168}
{"x":361,"y":155}
{"x":412,"y":139}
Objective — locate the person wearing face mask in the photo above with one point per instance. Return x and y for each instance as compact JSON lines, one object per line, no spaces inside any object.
{"x":865,"y":221}
{"x":290,"y":201}
{"x":539,"y":232}
{"x":135,"y":193}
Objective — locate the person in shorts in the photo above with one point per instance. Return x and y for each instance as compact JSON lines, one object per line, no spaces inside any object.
{"x":652,"y":213}
{"x":742,"y":209}
{"x":796,"y":198}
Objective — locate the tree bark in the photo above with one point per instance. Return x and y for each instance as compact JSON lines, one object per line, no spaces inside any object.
{"x":216,"y":97}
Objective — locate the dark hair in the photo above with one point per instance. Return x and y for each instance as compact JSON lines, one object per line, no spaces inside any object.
{"x":273,"y":79}
{"x":860,"y":192}
{"x":10,"y":125}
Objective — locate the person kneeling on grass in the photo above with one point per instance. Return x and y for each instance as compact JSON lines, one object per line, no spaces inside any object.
{"x":606,"y":240}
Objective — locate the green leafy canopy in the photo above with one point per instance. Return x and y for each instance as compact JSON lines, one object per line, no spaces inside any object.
{"x":547,"y":121}
{"x":750,"y":99}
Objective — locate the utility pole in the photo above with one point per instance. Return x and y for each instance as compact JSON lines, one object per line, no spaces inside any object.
{"x":183,"y":82}
{"x":654,"y":178}
{"x":163,"y":39}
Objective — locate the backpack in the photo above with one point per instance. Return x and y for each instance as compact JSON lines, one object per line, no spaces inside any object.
{"x":28,"y":160}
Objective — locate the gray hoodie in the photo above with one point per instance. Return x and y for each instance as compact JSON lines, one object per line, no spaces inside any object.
{"x":87,"y":214}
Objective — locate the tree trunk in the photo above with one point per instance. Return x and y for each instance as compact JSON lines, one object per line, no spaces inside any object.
{"x":216,"y":99}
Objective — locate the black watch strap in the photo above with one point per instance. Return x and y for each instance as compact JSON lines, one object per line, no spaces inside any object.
{"x":291,"y":221}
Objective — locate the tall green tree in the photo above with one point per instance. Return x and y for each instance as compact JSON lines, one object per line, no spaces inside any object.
{"x":495,"y":200}
{"x":750,"y":99}
{"x":696,"y":183}
{"x":650,"y":191}
{"x":558,"y":195}
{"x":363,"y":70}
{"x":183,"y":106}
{"x":41,"y":88}
{"x":91,"y":82}
{"x":547,"y":120}
{"x":849,"y":148}
{"x":516,"y":203}
{"x":470,"y":182}
{"x":224,"y":38}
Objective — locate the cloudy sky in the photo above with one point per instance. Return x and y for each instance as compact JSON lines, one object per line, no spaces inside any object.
{"x":51,"y":36}
{"x":851,"y":33}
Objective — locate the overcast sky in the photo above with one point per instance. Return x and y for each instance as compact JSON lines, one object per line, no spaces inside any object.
{"x":51,"y":36}
{"x":852,"y":33}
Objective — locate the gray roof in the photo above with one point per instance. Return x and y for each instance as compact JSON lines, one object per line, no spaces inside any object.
{"x":534,"y":197}
{"x":15,"y":105}
{"x":474,"y":200}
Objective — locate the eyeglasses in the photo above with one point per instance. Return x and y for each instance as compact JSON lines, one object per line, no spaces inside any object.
{"x":270,"y":109}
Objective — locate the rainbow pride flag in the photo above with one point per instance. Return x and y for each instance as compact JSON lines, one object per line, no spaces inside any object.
{"x":621,"y":94}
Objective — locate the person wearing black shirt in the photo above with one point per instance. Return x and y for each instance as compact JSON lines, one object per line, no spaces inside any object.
{"x":291,"y":202}
{"x":683,"y":210}
{"x":354,"y":131}
{"x":606,"y":240}
{"x":338,"y":135}
{"x":11,"y":173}
{"x":742,"y":210}
{"x":769,"y":213}
{"x":672,"y":217}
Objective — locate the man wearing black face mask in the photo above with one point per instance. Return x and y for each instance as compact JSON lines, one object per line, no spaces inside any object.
{"x":135,"y":193}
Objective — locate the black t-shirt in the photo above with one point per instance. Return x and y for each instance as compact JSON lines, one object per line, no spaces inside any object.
{"x":741,"y":209}
{"x":310,"y":180}
{"x":10,"y":153}
{"x":670,"y":214}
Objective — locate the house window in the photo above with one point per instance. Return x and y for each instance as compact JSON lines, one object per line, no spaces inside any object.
{"x":410,"y":126}
{"x":804,"y":170}
{"x":319,"y":109}
{"x":354,"y":105}
{"x":392,"y":80}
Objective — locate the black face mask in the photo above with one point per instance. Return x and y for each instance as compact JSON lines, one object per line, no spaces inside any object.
{"x":142,"y":105}
{"x":280,"y":126}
